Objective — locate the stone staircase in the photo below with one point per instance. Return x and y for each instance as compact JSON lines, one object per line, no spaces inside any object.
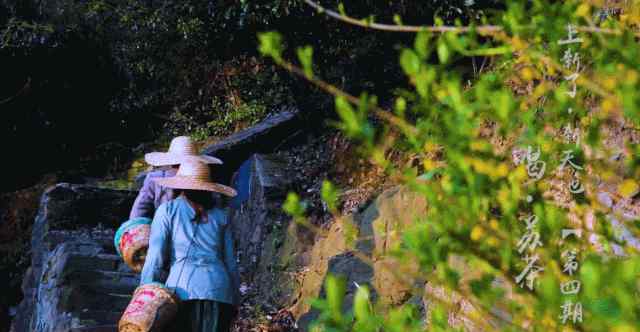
{"x":77,"y":282}
{"x":85,"y":285}
{"x":99,"y":300}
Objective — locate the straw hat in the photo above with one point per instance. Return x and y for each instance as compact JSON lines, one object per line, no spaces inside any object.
{"x":182,"y":148}
{"x":194,"y":175}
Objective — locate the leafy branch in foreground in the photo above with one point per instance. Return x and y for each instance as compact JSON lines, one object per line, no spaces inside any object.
{"x":490,"y":139}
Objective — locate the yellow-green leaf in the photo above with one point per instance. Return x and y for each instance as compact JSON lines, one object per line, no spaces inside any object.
{"x":628,"y":188}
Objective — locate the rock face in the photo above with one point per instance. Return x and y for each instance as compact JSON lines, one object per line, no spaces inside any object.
{"x":264,"y":138}
{"x":359,"y":248}
{"x":285,"y":265}
{"x":260,"y":229}
{"x":373,"y":234}
{"x":76,"y":282}
{"x":258,"y":214}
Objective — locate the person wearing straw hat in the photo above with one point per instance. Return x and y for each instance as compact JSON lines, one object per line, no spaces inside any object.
{"x":193,"y":239}
{"x":152,"y":195}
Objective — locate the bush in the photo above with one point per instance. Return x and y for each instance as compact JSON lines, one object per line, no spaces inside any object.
{"x":504,"y":155}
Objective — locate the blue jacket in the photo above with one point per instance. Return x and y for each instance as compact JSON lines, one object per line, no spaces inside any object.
{"x":200,"y":257}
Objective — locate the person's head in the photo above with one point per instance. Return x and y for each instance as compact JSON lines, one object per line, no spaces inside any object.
{"x":193,"y":181}
{"x":204,"y":199}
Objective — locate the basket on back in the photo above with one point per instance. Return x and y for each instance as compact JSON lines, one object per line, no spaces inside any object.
{"x":132,"y":241}
{"x":152,"y":307}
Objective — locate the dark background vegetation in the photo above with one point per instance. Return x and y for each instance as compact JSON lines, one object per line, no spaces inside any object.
{"x":84,"y":82}
{"x":77,"y":75}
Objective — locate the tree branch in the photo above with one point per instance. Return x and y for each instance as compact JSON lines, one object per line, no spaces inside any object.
{"x":481,"y":29}
{"x":484,"y":29}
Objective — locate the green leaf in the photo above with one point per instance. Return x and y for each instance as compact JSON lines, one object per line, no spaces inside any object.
{"x":423,"y":81}
{"x":410,"y":62}
{"x":503,"y":104}
{"x":293,"y":206}
{"x":305,"y":55}
{"x":329,"y":195}
{"x":335,"y":288}
{"x":401,"y":106}
{"x":397,"y":19}
{"x":421,"y":44}
{"x":443,"y":51}
{"x":270,"y":44}
{"x":362,"y":304}
{"x":350,"y":122}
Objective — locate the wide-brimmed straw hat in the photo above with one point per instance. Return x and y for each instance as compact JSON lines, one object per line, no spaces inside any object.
{"x":194,"y":175}
{"x":181,"y":149}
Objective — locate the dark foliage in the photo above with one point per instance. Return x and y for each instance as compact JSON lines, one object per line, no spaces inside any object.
{"x":77,"y":74}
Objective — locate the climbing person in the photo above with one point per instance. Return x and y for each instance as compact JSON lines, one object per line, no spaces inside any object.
{"x":152,"y":195}
{"x":193,"y":239}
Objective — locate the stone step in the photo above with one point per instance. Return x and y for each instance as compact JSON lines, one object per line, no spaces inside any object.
{"x":118,"y":274}
{"x":110,"y":262}
{"x":91,"y":318}
{"x":84,"y":299}
{"x":100,"y":262}
{"x":102,"y":328}
{"x":112,"y":257}
{"x":105,"y":282}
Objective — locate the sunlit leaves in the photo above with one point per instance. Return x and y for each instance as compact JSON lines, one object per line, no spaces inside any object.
{"x":270,"y":45}
{"x":421,"y":44}
{"x":410,"y":62}
{"x":351,"y":123}
{"x":468,"y":123}
{"x":354,"y":122}
{"x":329,"y":195}
{"x":293,"y":206}
{"x":305,"y":55}
{"x":365,"y":319}
{"x":629,"y":188}
{"x":332,"y":317}
{"x":335,"y":289}
{"x":401,"y":106}
{"x":443,"y":51}
{"x":341,"y":9}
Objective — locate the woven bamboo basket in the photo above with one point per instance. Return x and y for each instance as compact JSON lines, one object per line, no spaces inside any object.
{"x":152,"y":307}
{"x":132,"y":242}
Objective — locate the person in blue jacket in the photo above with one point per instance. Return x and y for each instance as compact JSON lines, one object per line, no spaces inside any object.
{"x":193,"y":240}
{"x":151,"y":195}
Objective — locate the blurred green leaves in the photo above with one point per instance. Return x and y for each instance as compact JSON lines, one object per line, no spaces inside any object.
{"x":293,"y":206}
{"x":329,"y":195}
{"x":354,"y":122}
{"x":270,"y":45}
{"x":473,"y":101}
{"x":410,"y":62}
{"x":305,"y":55}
